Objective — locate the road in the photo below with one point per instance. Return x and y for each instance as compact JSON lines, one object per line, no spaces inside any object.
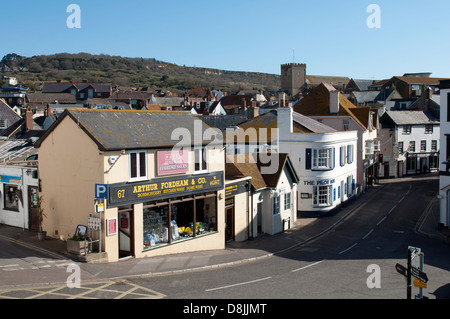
{"x":337,"y":265}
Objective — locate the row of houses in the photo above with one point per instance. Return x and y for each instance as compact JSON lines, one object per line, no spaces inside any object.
{"x":177,"y":182}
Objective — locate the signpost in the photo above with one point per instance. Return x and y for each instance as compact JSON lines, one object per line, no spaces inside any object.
{"x":414,"y":269}
{"x":101,"y":193}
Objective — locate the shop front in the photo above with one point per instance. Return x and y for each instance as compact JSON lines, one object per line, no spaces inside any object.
{"x":164,"y":212}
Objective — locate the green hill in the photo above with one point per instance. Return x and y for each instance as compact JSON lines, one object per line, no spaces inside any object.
{"x":123,"y":71}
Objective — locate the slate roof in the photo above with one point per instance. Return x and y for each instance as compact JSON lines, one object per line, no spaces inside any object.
{"x":409,"y":117}
{"x":55,"y":87}
{"x":250,"y":165}
{"x":124,"y":129}
{"x":45,"y":98}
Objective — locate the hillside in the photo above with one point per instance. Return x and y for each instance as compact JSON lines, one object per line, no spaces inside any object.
{"x":122,"y":71}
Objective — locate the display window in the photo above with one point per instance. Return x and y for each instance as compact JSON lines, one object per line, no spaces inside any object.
{"x":11,"y":197}
{"x":178,"y":219}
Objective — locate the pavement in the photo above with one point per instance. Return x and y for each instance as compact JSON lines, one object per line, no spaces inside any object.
{"x":304,"y":231}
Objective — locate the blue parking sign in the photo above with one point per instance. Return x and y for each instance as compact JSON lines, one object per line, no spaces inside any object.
{"x":101,"y":191}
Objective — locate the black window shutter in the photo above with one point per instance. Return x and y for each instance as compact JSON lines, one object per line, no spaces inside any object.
{"x":308,"y":159}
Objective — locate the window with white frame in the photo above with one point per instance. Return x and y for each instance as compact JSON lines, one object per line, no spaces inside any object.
{"x":200,"y":161}
{"x":346,"y":124}
{"x":350,"y":153}
{"x":349,"y":185}
{"x":322,"y":195}
{"x":376,"y":145}
{"x":343,"y":155}
{"x":423,"y":146}
{"x":434,"y":145}
{"x":428,"y":129}
{"x":138,"y":165}
{"x":276,"y":205}
{"x":407,"y":129}
{"x":322,"y":158}
{"x":287,"y":201}
{"x":369,"y":147}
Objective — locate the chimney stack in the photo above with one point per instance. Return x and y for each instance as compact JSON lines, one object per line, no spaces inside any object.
{"x":282,"y":99}
{"x":28,"y":119}
{"x":334,"y":101}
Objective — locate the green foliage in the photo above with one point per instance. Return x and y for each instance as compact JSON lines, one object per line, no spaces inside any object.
{"x":142,"y":72}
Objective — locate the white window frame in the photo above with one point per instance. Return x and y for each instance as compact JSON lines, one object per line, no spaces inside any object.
{"x":322,"y":196}
{"x":276,"y":204}
{"x":350,"y":153}
{"x":343,"y":155}
{"x":322,"y":158}
{"x":203,"y":159}
{"x":138,"y":176}
{"x":287,"y":201}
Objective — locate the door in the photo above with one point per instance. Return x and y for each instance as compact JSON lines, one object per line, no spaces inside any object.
{"x":229,"y":227}
{"x":259,"y":217}
{"x":33,"y":209}
{"x":386,"y":170}
{"x":126,"y":238}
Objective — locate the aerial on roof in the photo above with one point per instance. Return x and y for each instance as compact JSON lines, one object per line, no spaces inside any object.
{"x":119,"y":129}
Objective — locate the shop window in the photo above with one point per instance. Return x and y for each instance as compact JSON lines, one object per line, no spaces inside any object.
{"x":182,"y":218}
{"x":156,"y":231}
{"x":138,"y":165}
{"x":11,"y":197}
{"x":322,"y":195}
{"x":411,"y":163}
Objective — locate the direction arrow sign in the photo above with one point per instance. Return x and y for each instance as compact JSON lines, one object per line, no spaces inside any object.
{"x":419,"y":274}
{"x":401,"y":269}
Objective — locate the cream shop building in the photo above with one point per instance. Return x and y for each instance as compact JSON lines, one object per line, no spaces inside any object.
{"x":162,"y":172}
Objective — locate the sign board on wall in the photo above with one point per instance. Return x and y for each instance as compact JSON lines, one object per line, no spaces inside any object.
{"x":111,"y":226}
{"x":172,"y":162}
{"x":161,"y":188}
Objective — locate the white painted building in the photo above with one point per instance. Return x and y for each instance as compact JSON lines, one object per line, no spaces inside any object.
{"x":323,"y":158}
{"x":410,"y":143}
{"x":18,"y":200}
{"x":444,"y":158}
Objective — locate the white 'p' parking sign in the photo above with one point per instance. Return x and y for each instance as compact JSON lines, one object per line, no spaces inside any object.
{"x":101,"y":191}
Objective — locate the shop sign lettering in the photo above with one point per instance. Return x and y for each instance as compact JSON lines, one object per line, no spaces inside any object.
{"x":161,"y":188}
{"x":320,"y":183}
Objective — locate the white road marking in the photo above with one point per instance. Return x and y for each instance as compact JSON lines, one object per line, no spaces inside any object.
{"x":348,"y":248}
{"x":239,"y":284}
{"x":307,"y":266}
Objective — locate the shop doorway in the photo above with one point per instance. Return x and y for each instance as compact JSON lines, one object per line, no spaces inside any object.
{"x":229,"y":227}
{"x":33,"y":209}
{"x":259,"y":217}
{"x":126,"y":236}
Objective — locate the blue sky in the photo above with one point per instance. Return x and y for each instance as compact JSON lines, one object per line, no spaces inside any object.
{"x":331,"y":37}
